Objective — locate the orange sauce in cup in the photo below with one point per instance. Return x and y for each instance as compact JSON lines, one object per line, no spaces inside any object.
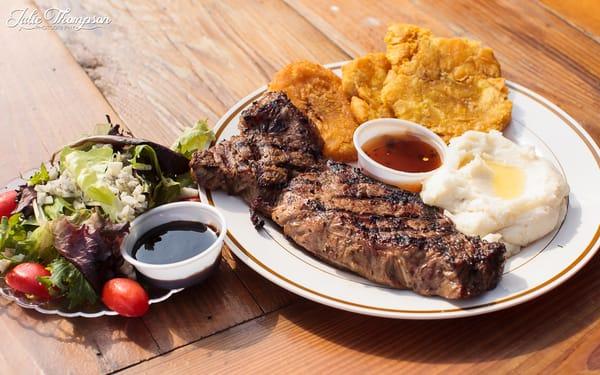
{"x":403,"y":152}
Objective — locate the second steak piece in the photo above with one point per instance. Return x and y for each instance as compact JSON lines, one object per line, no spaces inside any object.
{"x":385,"y":234}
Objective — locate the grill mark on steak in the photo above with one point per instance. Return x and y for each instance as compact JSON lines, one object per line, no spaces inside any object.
{"x":340,"y":215}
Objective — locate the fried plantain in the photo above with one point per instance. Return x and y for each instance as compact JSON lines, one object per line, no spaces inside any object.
{"x":450,"y":85}
{"x":362,"y":81}
{"x":317,"y":92}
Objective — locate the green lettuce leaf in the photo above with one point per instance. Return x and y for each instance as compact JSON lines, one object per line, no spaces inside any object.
{"x":144,"y":158}
{"x":40,"y":177}
{"x":12,"y":231}
{"x":25,"y":241}
{"x":67,"y":281}
{"x":163,"y":189}
{"x":193,"y":139}
{"x":167,"y":190}
{"x":58,"y":208}
{"x":39,"y":244}
{"x":89,"y":167}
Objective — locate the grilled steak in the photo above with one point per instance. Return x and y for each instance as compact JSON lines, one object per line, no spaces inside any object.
{"x":276,"y":143}
{"x":338,"y":214}
{"x":385,"y":234}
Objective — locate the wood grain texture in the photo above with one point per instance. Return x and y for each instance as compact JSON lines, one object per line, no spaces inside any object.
{"x":164,"y":65}
{"x":267,"y":295}
{"x":542,"y":336}
{"x":539,"y":51}
{"x":582,"y":14}
{"x":32,"y":342}
{"x":46,"y":100}
{"x":217,"y":304}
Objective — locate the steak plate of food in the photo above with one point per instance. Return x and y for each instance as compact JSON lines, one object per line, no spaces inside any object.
{"x":325,"y":230}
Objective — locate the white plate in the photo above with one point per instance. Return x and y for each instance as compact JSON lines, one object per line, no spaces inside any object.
{"x":539,"y":267}
{"x":60,"y":307}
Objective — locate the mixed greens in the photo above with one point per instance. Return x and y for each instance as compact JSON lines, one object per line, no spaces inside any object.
{"x":198,"y":137}
{"x":73,"y":213}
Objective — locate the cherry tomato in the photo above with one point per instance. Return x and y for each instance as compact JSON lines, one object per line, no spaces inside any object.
{"x":8,"y":202}
{"x":125,"y":296}
{"x":23,"y":278}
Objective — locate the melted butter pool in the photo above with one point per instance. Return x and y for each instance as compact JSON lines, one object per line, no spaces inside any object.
{"x":508,"y":181}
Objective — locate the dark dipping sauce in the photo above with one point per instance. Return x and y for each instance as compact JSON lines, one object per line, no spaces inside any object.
{"x":173,"y":242}
{"x":403,"y":152}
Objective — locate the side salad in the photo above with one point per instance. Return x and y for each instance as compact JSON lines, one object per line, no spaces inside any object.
{"x":60,"y":233}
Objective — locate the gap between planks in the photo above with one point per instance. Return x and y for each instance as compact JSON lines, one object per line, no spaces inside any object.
{"x":162,"y":353}
{"x":320,"y":24}
{"x":569,"y":22}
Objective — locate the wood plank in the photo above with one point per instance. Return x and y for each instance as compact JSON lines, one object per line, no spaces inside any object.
{"x":267,"y":295}
{"x":165,"y":65}
{"x":214,"y":305}
{"x":537,"y":337}
{"x":583,"y":14}
{"x":32,"y":342}
{"x":46,"y":99}
{"x":539,"y":51}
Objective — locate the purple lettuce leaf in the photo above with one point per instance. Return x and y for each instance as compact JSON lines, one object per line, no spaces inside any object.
{"x":93,"y":247}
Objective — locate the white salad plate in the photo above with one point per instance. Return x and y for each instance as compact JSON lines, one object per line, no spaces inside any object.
{"x":59,"y":307}
{"x":537,"y":269}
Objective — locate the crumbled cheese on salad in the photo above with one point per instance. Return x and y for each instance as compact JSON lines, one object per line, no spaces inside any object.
{"x":120,"y":179}
{"x":62,"y":185}
{"x":124,"y":184}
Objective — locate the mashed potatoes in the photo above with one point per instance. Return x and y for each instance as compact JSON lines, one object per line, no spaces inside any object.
{"x":490,"y":186}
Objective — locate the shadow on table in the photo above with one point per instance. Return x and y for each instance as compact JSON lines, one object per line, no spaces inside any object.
{"x":96,"y":334}
{"x":524,"y":329}
{"x":527,"y":328}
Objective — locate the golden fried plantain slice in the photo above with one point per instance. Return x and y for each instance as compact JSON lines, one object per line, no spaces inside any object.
{"x":317,"y":91}
{"x":450,"y":85}
{"x":362,"y":80}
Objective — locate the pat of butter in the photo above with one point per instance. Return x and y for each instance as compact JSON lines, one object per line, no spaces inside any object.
{"x":508,"y":181}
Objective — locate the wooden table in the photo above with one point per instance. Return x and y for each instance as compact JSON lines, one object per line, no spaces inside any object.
{"x":161,"y":65}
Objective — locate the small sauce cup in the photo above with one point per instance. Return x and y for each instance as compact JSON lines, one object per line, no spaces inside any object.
{"x":186,"y":272}
{"x":370,"y":130}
